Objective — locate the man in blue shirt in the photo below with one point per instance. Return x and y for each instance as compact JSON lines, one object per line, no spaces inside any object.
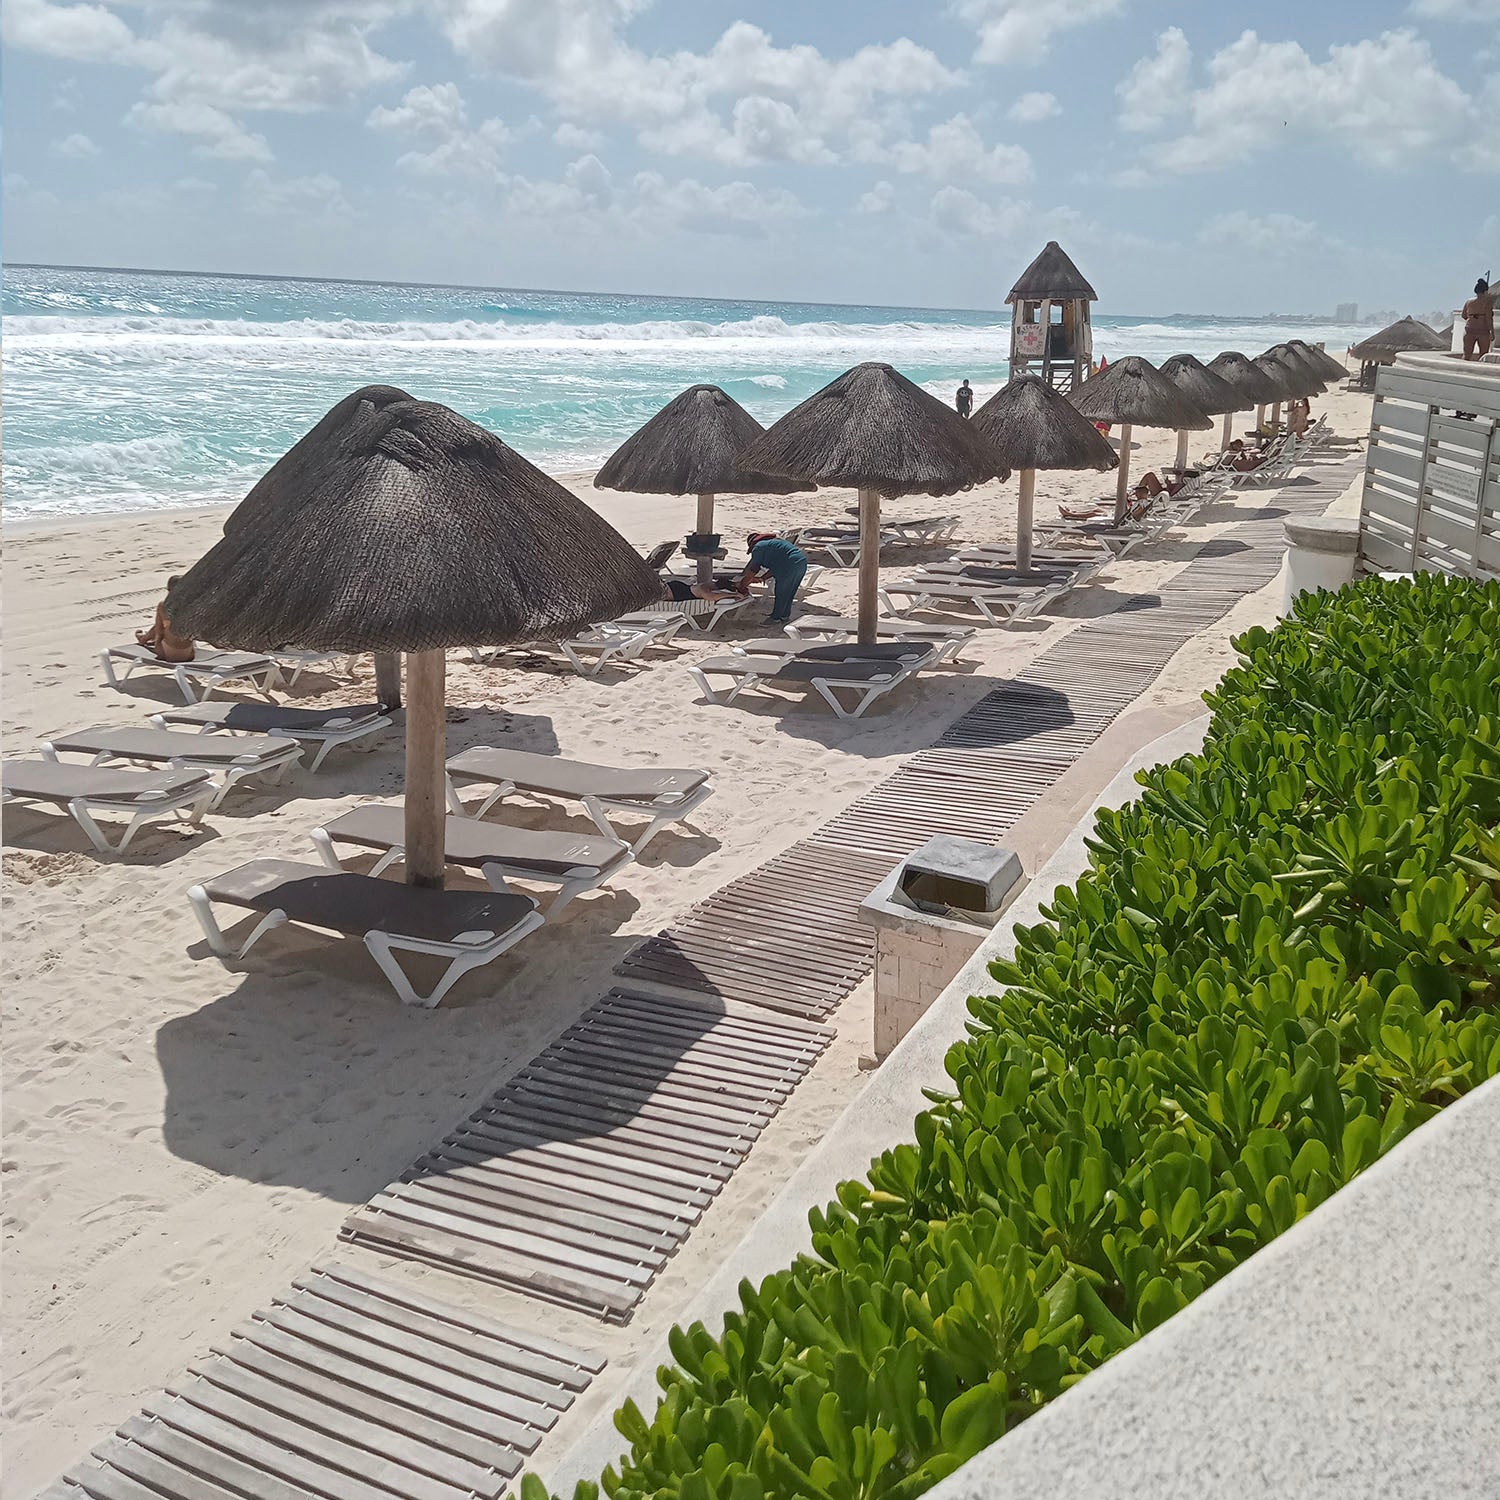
{"x":784,"y":564}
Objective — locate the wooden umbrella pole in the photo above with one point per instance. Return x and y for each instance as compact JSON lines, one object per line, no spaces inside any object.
{"x":1228,"y":432}
{"x":426,"y":750}
{"x":388,"y":679}
{"x":1025,"y":503}
{"x":1275,"y":418}
{"x":705,"y":528}
{"x":1122,"y":485}
{"x":1260,"y":416}
{"x":1182,"y":446}
{"x":869,"y":564}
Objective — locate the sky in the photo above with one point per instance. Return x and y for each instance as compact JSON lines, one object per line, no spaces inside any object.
{"x":1192,"y":155}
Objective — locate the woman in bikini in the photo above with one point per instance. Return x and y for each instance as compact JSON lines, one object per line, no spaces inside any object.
{"x":160,"y":639}
{"x":1479,"y":321}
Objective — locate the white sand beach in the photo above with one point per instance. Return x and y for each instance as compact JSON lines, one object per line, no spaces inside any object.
{"x":184,"y":1138}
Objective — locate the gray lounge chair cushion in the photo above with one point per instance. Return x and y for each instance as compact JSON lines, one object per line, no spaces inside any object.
{"x":141,"y":742}
{"x":799,"y":670}
{"x":905,"y":630}
{"x":357,"y":904}
{"x":207,"y":661}
{"x":260,"y":717}
{"x":897,"y":651}
{"x":471,"y":843}
{"x":978,"y":573}
{"x":51,"y":781}
{"x":572,"y":778}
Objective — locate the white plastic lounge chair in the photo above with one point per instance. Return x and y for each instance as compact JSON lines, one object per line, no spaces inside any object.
{"x":588,"y":652}
{"x":921,"y":531}
{"x":863,"y":681}
{"x":949,"y":639}
{"x":142,"y":796}
{"x":573,"y":862}
{"x":292,"y":664}
{"x":662,"y":795}
{"x":1003,"y":555}
{"x":840,"y":544}
{"x":1042,"y":575}
{"x":701,"y":615}
{"x":998,"y":603}
{"x":327,"y":728}
{"x":469,"y":928}
{"x":908,"y":653}
{"x":207,"y":670}
{"x":229,"y":759}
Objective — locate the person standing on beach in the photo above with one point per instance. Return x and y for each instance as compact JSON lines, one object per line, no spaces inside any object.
{"x":775,"y":558}
{"x":963,"y":399}
{"x":1479,"y":321}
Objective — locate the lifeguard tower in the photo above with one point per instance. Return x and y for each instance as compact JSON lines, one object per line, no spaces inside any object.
{"x":1050,"y":333}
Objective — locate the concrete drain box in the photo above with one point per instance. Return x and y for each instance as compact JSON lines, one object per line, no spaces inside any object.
{"x":930,"y":914}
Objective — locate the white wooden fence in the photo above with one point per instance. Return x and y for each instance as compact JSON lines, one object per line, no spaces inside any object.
{"x":1432,"y":478}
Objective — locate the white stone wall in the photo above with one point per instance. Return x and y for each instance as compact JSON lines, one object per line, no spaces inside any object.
{"x":914,"y":963}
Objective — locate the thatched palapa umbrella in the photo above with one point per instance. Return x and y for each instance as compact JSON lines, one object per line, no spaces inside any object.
{"x":1286,"y":381}
{"x":692,"y":447}
{"x":1320,"y":359}
{"x":1204,"y":388}
{"x":1252,"y":385}
{"x":1134,"y":393}
{"x":1031,"y":426}
{"x":398,"y":525}
{"x":1304,"y":377}
{"x":876,"y":431}
{"x":1406,"y":335}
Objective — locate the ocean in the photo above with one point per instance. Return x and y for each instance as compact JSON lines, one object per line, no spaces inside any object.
{"x":139,"y":390}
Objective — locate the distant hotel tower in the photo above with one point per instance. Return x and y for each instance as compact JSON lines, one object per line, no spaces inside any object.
{"x":1050,"y":333}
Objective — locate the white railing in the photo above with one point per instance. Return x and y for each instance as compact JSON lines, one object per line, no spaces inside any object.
{"x":1432,"y":478}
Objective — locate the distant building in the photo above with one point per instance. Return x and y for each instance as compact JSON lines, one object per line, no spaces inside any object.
{"x":1346,"y":312}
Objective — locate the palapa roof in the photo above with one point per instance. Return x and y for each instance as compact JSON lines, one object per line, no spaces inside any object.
{"x":1254,"y":385}
{"x":1321,"y":359}
{"x":692,"y":447}
{"x":1052,"y":274}
{"x":1306,"y":379}
{"x":1303,"y":362}
{"x":399,"y":525}
{"x":1402,"y":336}
{"x":1197,"y":382}
{"x":874,"y":429}
{"x":1133,"y":390}
{"x":1286,"y":381}
{"x":1032,"y":426}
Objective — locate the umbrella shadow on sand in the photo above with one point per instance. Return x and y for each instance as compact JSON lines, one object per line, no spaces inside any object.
{"x":308,"y":1074}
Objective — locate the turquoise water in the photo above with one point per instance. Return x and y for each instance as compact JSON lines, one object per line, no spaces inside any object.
{"x":131,"y":390}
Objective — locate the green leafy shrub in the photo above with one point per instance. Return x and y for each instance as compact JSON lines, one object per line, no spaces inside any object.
{"x":1284,"y":957}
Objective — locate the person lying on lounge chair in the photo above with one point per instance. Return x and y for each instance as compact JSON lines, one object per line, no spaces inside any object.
{"x":160,"y":640}
{"x":679,"y":590}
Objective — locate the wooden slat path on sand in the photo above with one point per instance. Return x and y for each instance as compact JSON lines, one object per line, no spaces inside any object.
{"x":788,"y":936}
{"x":348,"y":1387}
{"x":579,"y":1178}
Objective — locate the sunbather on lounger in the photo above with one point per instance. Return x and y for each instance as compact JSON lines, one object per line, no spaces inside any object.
{"x":680,"y":590}
{"x":160,"y":640}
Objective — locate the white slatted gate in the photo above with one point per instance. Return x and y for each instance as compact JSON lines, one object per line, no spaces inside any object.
{"x":1432,"y":478}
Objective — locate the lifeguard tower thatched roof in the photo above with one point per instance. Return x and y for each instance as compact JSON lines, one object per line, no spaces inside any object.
{"x":1053,"y":275}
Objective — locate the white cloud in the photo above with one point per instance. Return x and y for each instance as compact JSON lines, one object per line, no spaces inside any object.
{"x":1385,"y":100}
{"x":743,"y":101}
{"x":957,"y":211}
{"x":880,"y":199}
{"x":1457,"y":10}
{"x":1031,"y":109}
{"x":573,"y":137}
{"x":437,"y":117}
{"x":956,"y":150}
{"x":738,"y":208}
{"x":1156,"y":86}
{"x":319,"y":196}
{"x":216,"y":133}
{"x":76,"y":146}
{"x":1275,"y":235}
{"x":586,"y":190}
{"x":80,"y":33}
{"x":1022,"y":31}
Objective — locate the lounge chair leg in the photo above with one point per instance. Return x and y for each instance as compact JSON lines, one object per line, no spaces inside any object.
{"x":79,"y":808}
{"x":324,"y":845}
{"x":203,"y":910}
{"x":185,"y":685}
{"x":109,"y":670}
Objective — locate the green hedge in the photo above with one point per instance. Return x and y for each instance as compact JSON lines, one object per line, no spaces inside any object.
{"x":1285,"y":957}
